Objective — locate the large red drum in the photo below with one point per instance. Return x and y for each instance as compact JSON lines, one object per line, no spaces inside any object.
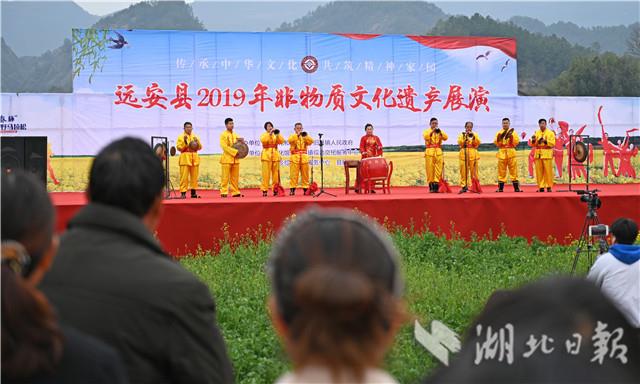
{"x":374,"y":168}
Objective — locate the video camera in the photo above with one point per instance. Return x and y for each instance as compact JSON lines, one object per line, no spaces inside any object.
{"x":591,"y":198}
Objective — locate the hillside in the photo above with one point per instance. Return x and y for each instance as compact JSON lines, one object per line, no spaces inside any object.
{"x":603,"y":39}
{"x":51,"y":71}
{"x":31,"y":28}
{"x":368,"y":17}
{"x":540,"y":58}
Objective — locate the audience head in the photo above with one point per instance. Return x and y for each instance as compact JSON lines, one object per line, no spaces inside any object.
{"x":336,"y":291}
{"x":126,"y":174}
{"x":624,"y":231}
{"x":31,"y":340}
{"x":562,"y":309}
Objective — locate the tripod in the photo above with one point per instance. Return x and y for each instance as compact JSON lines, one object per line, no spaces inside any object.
{"x":590,"y":219}
{"x":322,"y":191}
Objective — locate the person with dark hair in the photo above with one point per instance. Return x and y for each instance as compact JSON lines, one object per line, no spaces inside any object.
{"x":299,"y":141}
{"x":370,"y":144}
{"x":617,"y":272}
{"x":434,"y":160}
{"x":543,"y":141}
{"x":270,"y":159}
{"x":507,"y":140}
{"x":468,"y":141}
{"x":229,"y":161}
{"x":558,"y":330}
{"x":35,"y":348}
{"x":335,"y":304}
{"x":188,"y":143}
{"x":112,"y":279}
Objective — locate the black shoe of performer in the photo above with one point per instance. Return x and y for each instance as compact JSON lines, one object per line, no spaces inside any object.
{"x":194,"y":195}
{"x":275,"y":192}
{"x":292,"y":191}
{"x":238,"y":195}
{"x":500,"y":186}
{"x":541,"y":190}
{"x":516,"y":187}
{"x":223,"y":195}
{"x":548,"y":189}
{"x":264,"y":193}
{"x":463,"y":190}
{"x":183,"y":195}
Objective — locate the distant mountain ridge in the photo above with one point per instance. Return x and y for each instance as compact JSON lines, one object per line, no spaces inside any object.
{"x":542,"y":54}
{"x":51,"y":71}
{"x":31,"y":28}
{"x":384,"y":17}
{"x":612,"y":39}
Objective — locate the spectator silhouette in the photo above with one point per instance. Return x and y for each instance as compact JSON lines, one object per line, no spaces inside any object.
{"x":113,"y":280}
{"x":35,"y":347}
{"x":336,"y":297}
{"x":558,"y":330}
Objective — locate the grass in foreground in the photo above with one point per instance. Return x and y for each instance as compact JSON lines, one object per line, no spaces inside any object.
{"x":446,"y":280}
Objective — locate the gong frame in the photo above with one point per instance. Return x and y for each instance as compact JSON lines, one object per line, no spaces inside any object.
{"x":169,"y":191}
{"x":573,"y":162}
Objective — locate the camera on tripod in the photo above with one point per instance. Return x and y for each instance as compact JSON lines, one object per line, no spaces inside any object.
{"x":592,"y":231}
{"x":599,"y":230}
{"x":591,"y":198}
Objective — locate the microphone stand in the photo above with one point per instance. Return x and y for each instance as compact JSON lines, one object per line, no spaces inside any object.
{"x":322,"y":191}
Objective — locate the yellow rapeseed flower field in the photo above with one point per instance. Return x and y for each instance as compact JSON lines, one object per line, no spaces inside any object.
{"x":408,"y":170}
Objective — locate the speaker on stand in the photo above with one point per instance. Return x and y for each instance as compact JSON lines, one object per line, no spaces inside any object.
{"x":28,"y":153}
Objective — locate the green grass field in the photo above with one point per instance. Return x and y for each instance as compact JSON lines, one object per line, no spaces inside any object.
{"x":446,"y":280}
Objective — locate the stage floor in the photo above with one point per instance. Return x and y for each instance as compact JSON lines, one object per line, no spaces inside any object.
{"x":558,"y":216}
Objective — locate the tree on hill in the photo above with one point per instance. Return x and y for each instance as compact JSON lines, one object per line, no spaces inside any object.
{"x":540,"y":58}
{"x":604,"y":75}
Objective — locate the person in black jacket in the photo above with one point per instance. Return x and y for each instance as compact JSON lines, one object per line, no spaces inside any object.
{"x":113,"y":280}
{"x":35,"y":347}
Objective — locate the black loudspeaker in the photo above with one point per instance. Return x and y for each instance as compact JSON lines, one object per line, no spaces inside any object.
{"x":28,"y":153}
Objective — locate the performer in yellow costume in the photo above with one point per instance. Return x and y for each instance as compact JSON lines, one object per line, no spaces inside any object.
{"x":230,"y":163}
{"x":543,"y":141}
{"x":468,"y":142}
{"x":433,"y":138}
{"x":299,"y":160}
{"x":188,"y":144}
{"x":506,"y":140}
{"x":270,"y":158}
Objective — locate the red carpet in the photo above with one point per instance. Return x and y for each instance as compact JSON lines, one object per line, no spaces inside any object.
{"x":188,"y":224}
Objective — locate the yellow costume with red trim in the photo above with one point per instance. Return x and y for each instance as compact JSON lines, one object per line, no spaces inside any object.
{"x":230,"y":164}
{"x":299,"y":160}
{"x":434,"y":160}
{"x":189,"y":161}
{"x":270,"y":159}
{"x":468,"y":155}
{"x":507,"y":155}
{"x":543,"y":142}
